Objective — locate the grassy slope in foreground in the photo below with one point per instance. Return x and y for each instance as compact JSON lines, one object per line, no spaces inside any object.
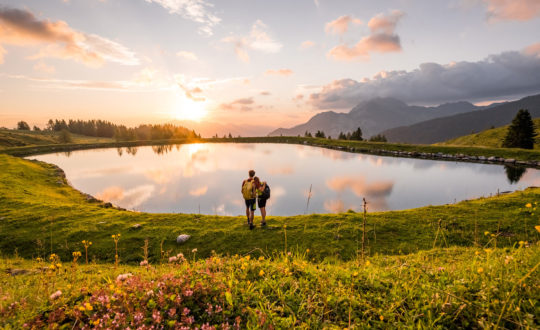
{"x":489,"y":138}
{"x":39,"y":212}
{"x":20,"y":138}
{"x":441,"y":288}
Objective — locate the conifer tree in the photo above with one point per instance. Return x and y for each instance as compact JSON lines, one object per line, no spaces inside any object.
{"x":521,"y":132}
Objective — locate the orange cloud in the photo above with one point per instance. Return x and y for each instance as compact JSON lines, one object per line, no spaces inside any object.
{"x":265,"y":93}
{"x":244,"y":104}
{"x":44,"y":68}
{"x":359,"y":186}
{"x":341,"y":24}
{"x":533,"y":50}
{"x":280,"y":72}
{"x":517,"y":10}
{"x":307,"y":44}
{"x":382,"y":39}
{"x":22,"y":28}
{"x":199,"y":191}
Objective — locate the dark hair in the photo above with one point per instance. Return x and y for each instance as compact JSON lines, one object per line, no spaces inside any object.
{"x":251,"y":173}
{"x":257,"y":182}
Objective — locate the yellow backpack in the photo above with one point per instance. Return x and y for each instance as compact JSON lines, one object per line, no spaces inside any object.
{"x":247,"y":190}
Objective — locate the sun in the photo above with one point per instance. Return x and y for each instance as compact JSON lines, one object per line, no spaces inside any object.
{"x":187,"y":109}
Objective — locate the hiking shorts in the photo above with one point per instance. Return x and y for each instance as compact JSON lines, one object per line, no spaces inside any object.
{"x":250,"y":204}
{"x":262,"y":202}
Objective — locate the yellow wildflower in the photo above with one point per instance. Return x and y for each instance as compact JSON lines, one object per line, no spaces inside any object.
{"x":261,"y":273}
{"x":480,"y":270}
{"x":381,"y":317}
{"x":537,"y":228}
{"x":88,"y":306}
{"x":307,"y":251}
{"x":261,"y":258}
{"x":488,"y":250}
{"x":368,"y":263}
{"x":486,"y":233}
{"x":528,"y":205}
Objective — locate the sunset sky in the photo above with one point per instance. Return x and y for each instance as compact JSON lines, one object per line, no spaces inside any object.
{"x":257,"y":62}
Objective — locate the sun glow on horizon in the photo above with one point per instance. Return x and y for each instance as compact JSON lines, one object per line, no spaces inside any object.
{"x":187,"y":109}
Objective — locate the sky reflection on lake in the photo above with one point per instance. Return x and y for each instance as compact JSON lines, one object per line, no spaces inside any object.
{"x":206,"y":178}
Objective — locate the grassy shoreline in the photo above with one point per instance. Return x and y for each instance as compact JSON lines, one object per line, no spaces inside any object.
{"x":521,"y":157}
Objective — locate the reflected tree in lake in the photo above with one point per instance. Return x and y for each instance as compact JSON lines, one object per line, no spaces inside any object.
{"x":120,"y":151}
{"x":162,"y":149}
{"x":132,"y":150}
{"x":514,"y":173}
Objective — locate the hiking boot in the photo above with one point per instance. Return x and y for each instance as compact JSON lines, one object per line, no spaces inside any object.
{"x":251,"y":226}
{"x":263,"y":224}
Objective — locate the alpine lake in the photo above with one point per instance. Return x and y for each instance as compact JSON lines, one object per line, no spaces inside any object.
{"x":206,"y":178}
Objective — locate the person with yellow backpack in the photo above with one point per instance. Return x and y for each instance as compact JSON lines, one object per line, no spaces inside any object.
{"x":249,"y":194}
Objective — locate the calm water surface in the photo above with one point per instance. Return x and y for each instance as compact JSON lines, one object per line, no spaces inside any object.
{"x":206,"y":178}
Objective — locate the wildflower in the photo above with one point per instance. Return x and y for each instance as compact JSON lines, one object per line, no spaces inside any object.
{"x":355,"y":274}
{"x":381,"y":317}
{"x":307,"y":251}
{"x":96,"y":322}
{"x":537,"y":228}
{"x":486,"y":233}
{"x":521,"y":243}
{"x":480,"y":270}
{"x":186,"y":311}
{"x":289,"y":253}
{"x":368,"y":263}
{"x":528,"y":205}
{"x":123,"y":277}
{"x":173,"y":259}
{"x":149,"y":293}
{"x":194,"y":250}
{"x":261,"y":273}
{"x":488,"y":250}
{"x":38,"y":259}
{"x":55,"y":295}
{"x":248,"y":257}
{"x":476,"y":253}
{"x":261,"y":258}
{"x":172,"y":312}
{"x":218,"y":309}
{"x":188,"y":293}
{"x":88,"y":307}
{"x":144,"y":263}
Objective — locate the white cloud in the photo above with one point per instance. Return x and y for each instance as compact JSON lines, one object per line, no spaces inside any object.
{"x":194,"y":10}
{"x":187,"y":55}
{"x":259,"y":39}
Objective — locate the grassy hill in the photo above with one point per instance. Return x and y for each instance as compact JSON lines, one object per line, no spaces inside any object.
{"x":489,"y":138}
{"x":467,"y":265}
{"x":19,"y":138}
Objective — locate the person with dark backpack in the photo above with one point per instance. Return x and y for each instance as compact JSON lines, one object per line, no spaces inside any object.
{"x":249,"y":194}
{"x":263,"y":194}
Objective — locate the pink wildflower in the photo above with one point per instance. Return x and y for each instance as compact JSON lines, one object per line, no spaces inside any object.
{"x":188,"y":293}
{"x":186,"y":311}
{"x":123,"y":277}
{"x":218,"y":309}
{"x":144,"y":263}
{"x":173,"y":259}
{"x":56,"y":295}
{"x":172,"y":312}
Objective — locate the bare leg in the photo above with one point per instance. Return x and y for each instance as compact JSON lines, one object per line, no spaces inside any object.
{"x":263,"y":214}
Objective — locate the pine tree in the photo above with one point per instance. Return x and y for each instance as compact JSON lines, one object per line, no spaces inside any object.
{"x":342,"y":136}
{"x":357,"y":135}
{"x":521,"y":132}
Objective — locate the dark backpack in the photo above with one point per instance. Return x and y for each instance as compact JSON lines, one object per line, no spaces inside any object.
{"x":266,"y":192}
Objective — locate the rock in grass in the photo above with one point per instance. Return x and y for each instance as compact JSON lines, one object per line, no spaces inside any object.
{"x":182,"y":238}
{"x":136,"y":226}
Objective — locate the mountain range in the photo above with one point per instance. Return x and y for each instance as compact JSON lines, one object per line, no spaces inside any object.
{"x":404,"y":123}
{"x":445,"y":128}
{"x":373,"y":117}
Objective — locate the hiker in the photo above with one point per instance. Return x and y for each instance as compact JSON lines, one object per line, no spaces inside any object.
{"x":263,"y":193}
{"x":249,"y":194}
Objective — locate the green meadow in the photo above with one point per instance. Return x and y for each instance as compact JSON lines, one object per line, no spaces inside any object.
{"x":470,"y":264}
